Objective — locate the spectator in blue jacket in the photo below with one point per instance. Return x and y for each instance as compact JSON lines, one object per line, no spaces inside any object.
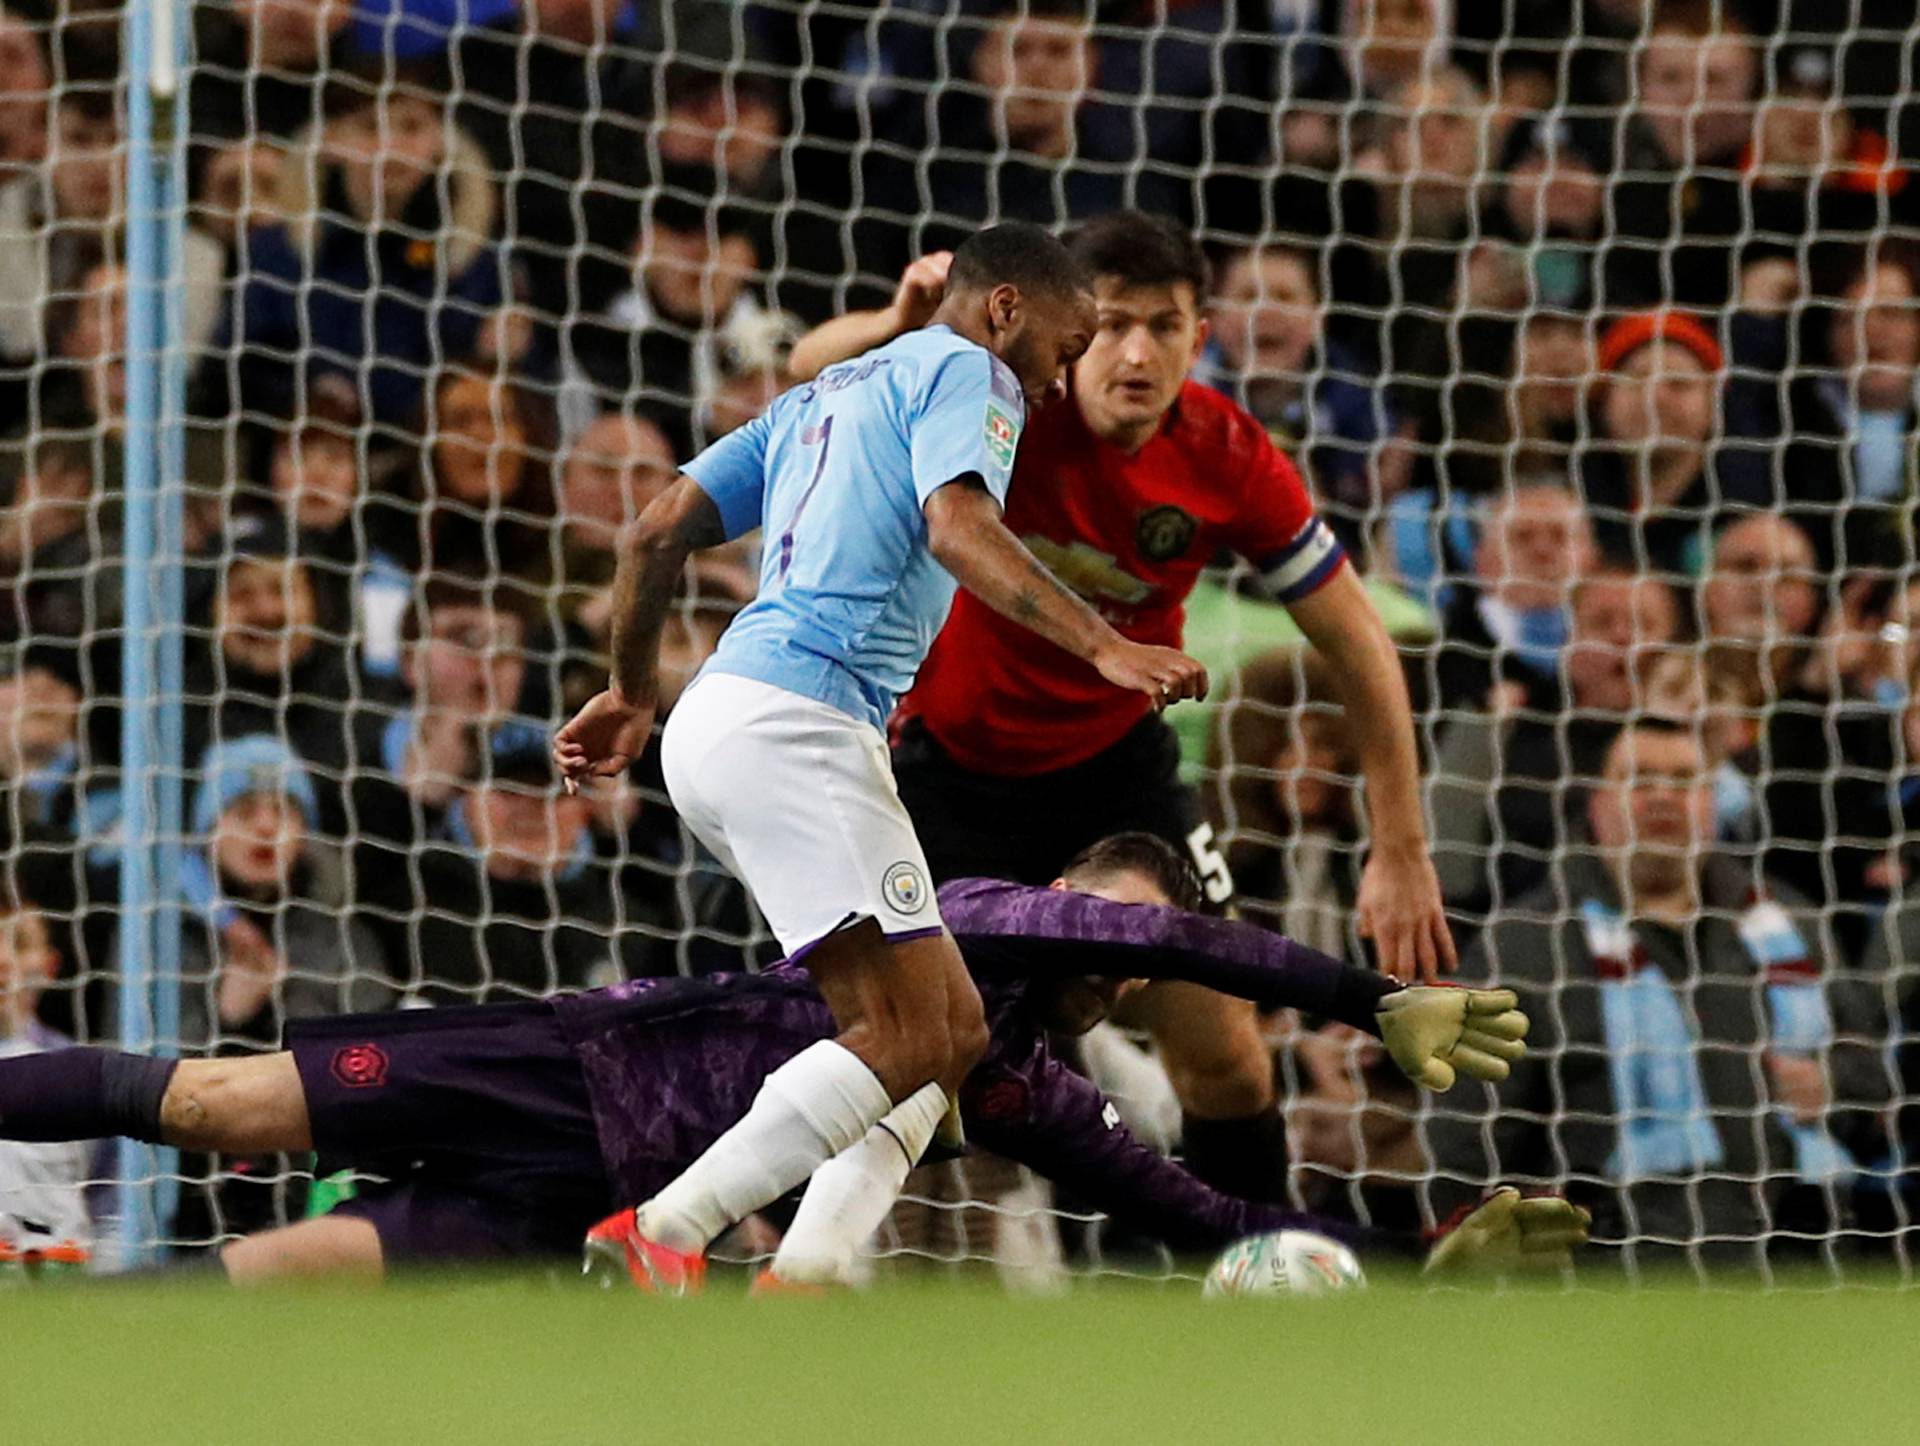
{"x":366,"y":217}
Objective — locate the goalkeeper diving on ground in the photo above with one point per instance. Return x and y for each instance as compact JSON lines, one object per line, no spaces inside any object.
{"x":504,"y":1132}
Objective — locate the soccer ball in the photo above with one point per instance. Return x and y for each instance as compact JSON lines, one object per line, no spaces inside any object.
{"x":1284,"y":1262}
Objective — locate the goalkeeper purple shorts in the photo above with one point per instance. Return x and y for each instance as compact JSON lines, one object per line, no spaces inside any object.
{"x":478,"y":1118}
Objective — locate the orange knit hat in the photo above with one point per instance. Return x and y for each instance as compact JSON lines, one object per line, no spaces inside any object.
{"x":1630,"y":333}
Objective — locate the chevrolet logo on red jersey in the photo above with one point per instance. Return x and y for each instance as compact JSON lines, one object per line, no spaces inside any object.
{"x":1088,"y":571}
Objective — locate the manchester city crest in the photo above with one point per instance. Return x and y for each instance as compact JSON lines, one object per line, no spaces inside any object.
{"x":1164,"y":532}
{"x":906,"y":887}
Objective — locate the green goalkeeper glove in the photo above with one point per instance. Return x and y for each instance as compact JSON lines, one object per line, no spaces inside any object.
{"x":1506,"y":1232}
{"x":1432,"y":1032}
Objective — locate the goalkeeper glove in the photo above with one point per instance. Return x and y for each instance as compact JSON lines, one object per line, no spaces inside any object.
{"x":1507,"y":1232}
{"x":1432,"y":1032}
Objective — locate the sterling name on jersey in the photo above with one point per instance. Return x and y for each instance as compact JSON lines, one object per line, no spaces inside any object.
{"x":836,"y":472}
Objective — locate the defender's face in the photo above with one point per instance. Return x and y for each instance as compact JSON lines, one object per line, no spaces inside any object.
{"x":1146,"y":340}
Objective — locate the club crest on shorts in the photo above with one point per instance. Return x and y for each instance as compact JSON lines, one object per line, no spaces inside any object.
{"x":906,"y":887}
{"x":1164,"y":532}
{"x":360,"y":1066}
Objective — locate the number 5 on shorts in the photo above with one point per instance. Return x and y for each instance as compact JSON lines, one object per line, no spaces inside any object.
{"x":1211,"y":864}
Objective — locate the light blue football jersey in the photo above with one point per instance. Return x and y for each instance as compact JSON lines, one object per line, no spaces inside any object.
{"x":836,"y":473}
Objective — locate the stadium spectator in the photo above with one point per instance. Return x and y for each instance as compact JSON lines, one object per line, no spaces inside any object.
{"x":317,"y":295}
{"x":44,"y":544}
{"x":44,"y":1207}
{"x":268,"y":937}
{"x":314,"y":467}
{"x":1268,"y":351}
{"x":1662,"y":1087}
{"x":328,"y":486}
{"x":1509,"y":621}
{"x":39,"y":743}
{"x":1813,"y":171}
{"x":754,"y":353}
{"x":1654,"y":480}
{"x":1826,"y":751}
{"x":1549,"y":202}
{"x":1288,"y":820}
{"x":1400,"y":272}
{"x":1357,"y":51}
{"x":274,"y":659}
{"x":1024,"y":141}
{"x":1514,"y":425}
{"x":26,"y":82}
{"x":238,"y":188}
{"x":26,"y":87}
{"x":483,"y":487}
{"x":614,"y":468}
{"x":516,"y":904}
{"x":1675,"y":203}
{"x":263,"y":62}
{"x":731,"y":125}
{"x":463,"y":668}
{"x":272,"y":938}
{"x":1510,"y":780}
{"x":1353,"y":1136}
{"x":544,"y":94}
{"x":1834,"y":402}
{"x":656,"y":345}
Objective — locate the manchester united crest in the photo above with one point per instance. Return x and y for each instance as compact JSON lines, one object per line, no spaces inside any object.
{"x":1164,"y":532}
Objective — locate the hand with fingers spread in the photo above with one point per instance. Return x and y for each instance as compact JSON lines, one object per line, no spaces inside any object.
{"x":603,"y":738}
{"x":1165,"y":675}
{"x":1435,"y":1034}
{"x":1508,"y":1231}
{"x":1399,"y":908}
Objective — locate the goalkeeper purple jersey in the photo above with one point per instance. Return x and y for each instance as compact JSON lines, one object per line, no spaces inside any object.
{"x":670,"y":1063}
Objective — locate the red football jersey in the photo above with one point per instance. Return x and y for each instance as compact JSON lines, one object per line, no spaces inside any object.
{"x":1131,"y":535}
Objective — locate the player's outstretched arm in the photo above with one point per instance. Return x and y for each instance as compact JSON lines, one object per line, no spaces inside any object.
{"x":967,"y":537}
{"x":609,"y":732}
{"x":914,"y":302}
{"x":1431,"y":1033}
{"x":1399,"y":906}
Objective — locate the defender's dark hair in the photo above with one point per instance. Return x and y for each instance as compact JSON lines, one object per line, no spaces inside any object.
{"x":1142,"y":250}
{"x":1145,"y":854}
{"x":1020,"y":254}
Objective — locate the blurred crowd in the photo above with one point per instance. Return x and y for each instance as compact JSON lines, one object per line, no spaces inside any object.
{"x":1593,"y":325}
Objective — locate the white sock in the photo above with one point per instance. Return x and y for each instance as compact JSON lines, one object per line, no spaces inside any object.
{"x":808,"y":1110}
{"x":851,"y":1194}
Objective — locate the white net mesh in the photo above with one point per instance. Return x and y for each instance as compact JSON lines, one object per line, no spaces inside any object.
{"x":1591,"y":326}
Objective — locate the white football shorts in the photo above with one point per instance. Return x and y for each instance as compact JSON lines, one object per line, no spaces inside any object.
{"x":797,"y":799}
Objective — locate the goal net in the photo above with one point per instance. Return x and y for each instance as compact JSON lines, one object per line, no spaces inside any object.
{"x":1595,"y":340}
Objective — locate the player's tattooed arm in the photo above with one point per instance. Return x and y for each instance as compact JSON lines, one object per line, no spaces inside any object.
{"x":967,"y":537}
{"x":653,"y":558}
{"x":608,"y":733}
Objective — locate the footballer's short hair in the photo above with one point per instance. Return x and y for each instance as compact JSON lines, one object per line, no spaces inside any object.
{"x":1138,"y":249}
{"x":1145,"y":854}
{"x":1018,"y":254}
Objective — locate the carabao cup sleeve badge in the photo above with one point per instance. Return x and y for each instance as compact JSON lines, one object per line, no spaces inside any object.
{"x":1003,"y":435}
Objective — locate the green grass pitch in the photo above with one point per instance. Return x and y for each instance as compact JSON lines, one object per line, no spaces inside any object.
{"x":523,"y":1360}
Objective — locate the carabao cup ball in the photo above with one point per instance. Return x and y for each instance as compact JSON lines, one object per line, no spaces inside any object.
{"x":1285,"y":1262}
